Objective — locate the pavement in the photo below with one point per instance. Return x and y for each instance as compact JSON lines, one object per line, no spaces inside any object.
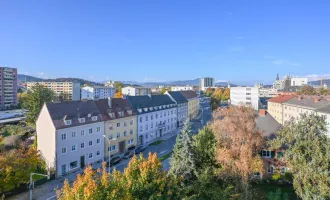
{"x":47,"y":191}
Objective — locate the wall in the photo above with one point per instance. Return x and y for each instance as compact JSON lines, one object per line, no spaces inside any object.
{"x":75,"y":91}
{"x":245,"y":95}
{"x":292,"y":111}
{"x":87,"y":93}
{"x":276,"y":111}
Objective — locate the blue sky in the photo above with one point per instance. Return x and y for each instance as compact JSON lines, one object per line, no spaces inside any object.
{"x":242,"y":41}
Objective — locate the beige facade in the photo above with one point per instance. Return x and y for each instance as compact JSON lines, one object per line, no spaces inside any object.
{"x":193,"y":107}
{"x":122,"y":134}
{"x":69,"y":89}
{"x":276,"y":111}
{"x":294,"y":111}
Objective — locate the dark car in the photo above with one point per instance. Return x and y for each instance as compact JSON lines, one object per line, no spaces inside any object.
{"x":139,"y":149}
{"x":128,"y":154}
{"x":115,"y":160}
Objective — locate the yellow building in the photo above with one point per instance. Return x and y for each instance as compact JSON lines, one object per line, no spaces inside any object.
{"x":120,"y":125}
{"x":193,"y":103}
{"x":275,"y":107}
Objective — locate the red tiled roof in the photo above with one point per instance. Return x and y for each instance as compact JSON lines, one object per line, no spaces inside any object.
{"x":281,"y":98}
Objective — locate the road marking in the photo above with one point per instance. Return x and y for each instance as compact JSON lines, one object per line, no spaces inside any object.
{"x":52,"y":197}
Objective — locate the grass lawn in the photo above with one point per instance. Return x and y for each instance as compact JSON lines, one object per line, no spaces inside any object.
{"x":262,"y":190}
{"x":164,"y":157}
{"x":156,"y":142}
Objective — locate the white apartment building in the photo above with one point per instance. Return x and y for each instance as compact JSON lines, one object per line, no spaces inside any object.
{"x":156,"y":116}
{"x":8,"y":87}
{"x":135,"y":91}
{"x":182,"y":106}
{"x":295,"y":81}
{"x":181,"y":88}
{"x":97,"y":92}
{"x":69,"y":89}
{"x":206,"y":82}
{"x":70,"y":135}
{"x":245,"y":96}
{"x":267,"y":92}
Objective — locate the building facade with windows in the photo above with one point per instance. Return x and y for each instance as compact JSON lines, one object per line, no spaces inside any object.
{"x":206,"y":82}
{"x":70,"y":135}
{"x":97,"y":92}
{"x":325,"y":111}
{"x":135,"y":91}
{"x":181,"y":88}
{"x":182,"y":106}
{"x":8,"y":87}
{"x":275,"y":107}
{"x":245,"y":96}
{"x":156,"y":116}
{"x":193,"y":103}
{"x":120,"y":125}
{"x":69,"y":90}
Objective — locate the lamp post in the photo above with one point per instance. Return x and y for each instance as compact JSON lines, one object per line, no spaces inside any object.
{"x":31,"y":181}
{"x":108,"y":150}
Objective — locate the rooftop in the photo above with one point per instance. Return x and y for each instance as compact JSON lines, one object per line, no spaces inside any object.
{"x":308,"y":102}
{"x":281,"y":98}
{"x":268,"y":125}
{"x":189,"y":94}
{"x":178,"y":97}
{"x":146,"y":101}
{"x":117,"y":105}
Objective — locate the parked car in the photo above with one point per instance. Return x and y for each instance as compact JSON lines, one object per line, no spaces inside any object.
{"x":128,"y":154}
{"x":139,"y":149}
{"x":114,"y":160}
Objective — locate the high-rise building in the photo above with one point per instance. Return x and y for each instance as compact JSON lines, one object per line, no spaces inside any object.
{"x":206,"y":82}
{"x":8,"y":87}
{"x":288,"y":81}
{"x":69,"y":90}
{"x":97,"y":92}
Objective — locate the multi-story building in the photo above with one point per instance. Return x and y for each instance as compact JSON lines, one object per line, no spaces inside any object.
{"x":245,"y":96}
{"x":288,"y":81}
{"x":70,"y":90}
{"x":135,"y":91}
{"x":182,"y":105}
{"x":303,"y":104}
{"x":8,"y":87}
{"x":97,"y":92}
{"x":267,"y":92}
{"x":275,"y":107}
{"x":70,"y":135}
{"x":181,"y":88}
{"x":156,"y":116}
{"x":193,"y":103}
{"x":110,"y":83}
{"x":296,"y":81}
{"x":206,"y":82}
{"x":120,"y":125}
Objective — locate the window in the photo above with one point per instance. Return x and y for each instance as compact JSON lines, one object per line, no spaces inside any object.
{"x":67,"y":122}
{"x":98,"y":129}
{"x":94,"y":118}
{"x":168,"y":120}
{"x":147,"y":127}
{"x":282,"y":170}
{"x":118,"y":124}
{"x":90,"y":143}
{"x":110,"y":137}
{"x":146,"y":136}
{"x":73,"y":148}
{"x":125,"y":124}
{"x":98,"y":153}
{"x":90,"y":155}
{"x":82,"y":133}
{"x":248,"y":98}
{"x":131,"y":122}
{"x":168,"y":112}
{"x":131,"y":132}
{"x":266,"y":153}
{"x":161,"y":114}
{"x":63,"y":150}
{"x":156,"y":116}
{"x":248,"y":93}
{"x":165,"y":113}
{"x":112,"y":148}
{"x":171,"y":112}
{"x":125,"y":133}
{"x":63,"y":136}
{"x":271,"y":169}
{"x":82,"y":145}
{"x":73,"y":134}
{"x":146,"y":118}
{"x":151,"y":117}
{"x":129,"y":142}
{"x":73,"y":165}
{"x":140,"y":119}
{"x":81,"y":120}
{"x":118,"y":135}
{"x":152,"y":125}
{"x":140,"y":128}
{"x":97,"y":141}
{"x":90,"y":131}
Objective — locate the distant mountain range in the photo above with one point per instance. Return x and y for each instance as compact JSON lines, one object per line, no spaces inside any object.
{"x":326,"y":81}
{"x":194,"y":82}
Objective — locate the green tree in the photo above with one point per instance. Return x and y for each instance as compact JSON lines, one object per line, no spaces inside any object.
{"x":119,"y":86}
{"x":21,"y":97}
{"x":183,"y":161}
{"x":163,"y":90}
{"x":306,"y":90}
{"x":37,"y":96}
{"x":278,"y":195}
{"x":323,"y":91}
{"x":209,"y":92}
{"x":308,"y":152}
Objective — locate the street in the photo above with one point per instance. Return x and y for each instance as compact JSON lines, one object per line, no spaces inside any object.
{"x":48,"y":190}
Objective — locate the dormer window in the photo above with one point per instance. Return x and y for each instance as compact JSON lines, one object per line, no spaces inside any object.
{"x":81,"y":120}
{"x":155,"y":108}
{"x":112,"y":115}
{"x":129,"y":112}
{"x":121,"y":113}
{"x":167,"y":106}
{"x":94,"y":118}
{"x":139,"y":110}
{"x":164,"y":106}
{"x":159,"y":107}
{"x":151,"y":108}
{"x":145,"y":109}
{"x":67,"y":122}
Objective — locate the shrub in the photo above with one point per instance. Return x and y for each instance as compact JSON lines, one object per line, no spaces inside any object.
{"x":276,"y":176}
{"x":288,"y":176}
{"x":12,"y":140}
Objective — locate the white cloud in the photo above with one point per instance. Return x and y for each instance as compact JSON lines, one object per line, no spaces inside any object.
{"x":316,"y":77}
{"x":285,"y":62}
{"x":235,"y":49}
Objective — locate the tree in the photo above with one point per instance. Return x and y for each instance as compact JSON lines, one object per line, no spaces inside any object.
{"x":209,"y":92}
{"x":306,"y":90}
{"x":308,"y":154}
{"x":119,"y":95}
{"x":239,"y":141}
{"x":12,"y":141}
{"x":64,"y":96}
{"x":226,"y":94}
{"x":118,"y":85}
{"x":22,"y":99}
{"x":37,"y":96}
{"x":183,"y":161}
{"x":142,"y":179}
{"x":323,"y":91}
{"x":16,"y":166}
{"x":217,"y":94}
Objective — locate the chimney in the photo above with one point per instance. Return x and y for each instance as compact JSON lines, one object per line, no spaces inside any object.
{"x":262,"y":112}
{"x":109,"y":102}
{"x":300,"y":97}
{"x":316,"y":100}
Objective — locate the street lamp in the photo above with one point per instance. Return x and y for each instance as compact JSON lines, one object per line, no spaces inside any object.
{"x":31,"y":181}
{"x":108,"y":149}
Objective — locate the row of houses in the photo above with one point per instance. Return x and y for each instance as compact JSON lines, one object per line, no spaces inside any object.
{"x":72,"y":134}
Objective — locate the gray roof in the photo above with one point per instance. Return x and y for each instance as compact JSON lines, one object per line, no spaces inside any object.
{"x":324,"y":109}
{"x":290,"y":89}
{"x":146,"y":101}
{"x":178,"y":97}
{"x":73,"y":110}
{"x":268,"y":125}
{"x":307,"y":102}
